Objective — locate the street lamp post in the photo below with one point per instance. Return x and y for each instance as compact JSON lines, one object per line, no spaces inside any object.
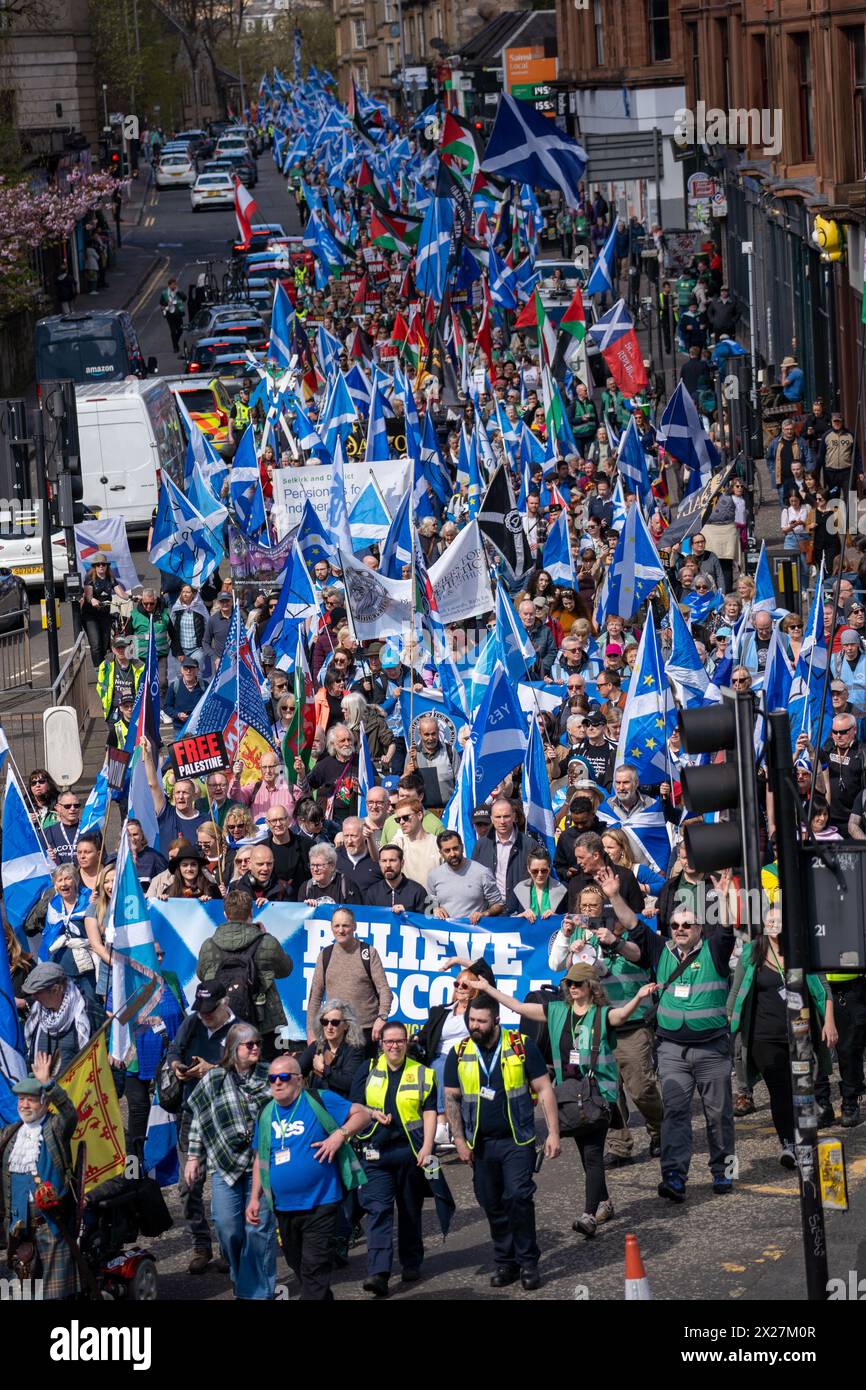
{"x":105,"y":102}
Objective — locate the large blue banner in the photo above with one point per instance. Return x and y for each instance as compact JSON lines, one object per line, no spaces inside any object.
{"x":411,"y":948}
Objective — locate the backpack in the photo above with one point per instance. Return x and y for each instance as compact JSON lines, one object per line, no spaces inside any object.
{"x":326,"y":961}
{"x":238,"y":974}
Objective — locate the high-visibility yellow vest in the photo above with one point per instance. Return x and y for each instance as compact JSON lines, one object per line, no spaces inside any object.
{"x":518,"y":1101}
{"x":416,"y":1083}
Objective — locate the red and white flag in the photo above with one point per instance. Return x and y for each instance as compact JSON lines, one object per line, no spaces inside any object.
{"x":245,"y":206}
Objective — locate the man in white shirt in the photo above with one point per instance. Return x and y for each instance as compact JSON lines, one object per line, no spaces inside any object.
{"x":420,"y":850}
{"x":460,"y":887}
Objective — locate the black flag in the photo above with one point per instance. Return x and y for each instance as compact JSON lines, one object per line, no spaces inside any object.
{"x":501,"y":523}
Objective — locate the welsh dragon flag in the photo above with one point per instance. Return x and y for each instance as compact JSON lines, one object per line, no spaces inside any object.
{"x":533,"y":315}
{"x":298,"y":739}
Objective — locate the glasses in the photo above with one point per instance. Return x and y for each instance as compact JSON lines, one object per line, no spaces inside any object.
{"x":250,"y":1046}
{"x":394,"y":1042}
{"x":402,"y":819}
{"x":795,"y":627}
{"x":460,"y":984}
{"x":69,"y":806}
{"x":842,"y":733}
{"x":331,"y":1022}
{"x":35,"y":781}
{"x":740,"y":680}
{"x":283,"y":1076}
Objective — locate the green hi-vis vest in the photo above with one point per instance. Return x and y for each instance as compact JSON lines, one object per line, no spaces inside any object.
{"x":414,"y":1087}
{"x":747,"y":961}
{"x":702,"y":1009}
{"x":518,"y":1101}
{"x":559,"y":1016}
{"x":623,"y":983}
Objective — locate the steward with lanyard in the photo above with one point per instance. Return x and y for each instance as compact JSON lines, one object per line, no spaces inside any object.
{"x":394,"y":1149}
{"x":302,"y":1168}
{"x":491,"y":1082}
{"x":693,"y":1042}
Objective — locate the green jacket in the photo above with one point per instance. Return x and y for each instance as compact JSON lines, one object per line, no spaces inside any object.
{"x":272,"y":964}
{"x":740,"y":1007}
{"x":140,"y":628}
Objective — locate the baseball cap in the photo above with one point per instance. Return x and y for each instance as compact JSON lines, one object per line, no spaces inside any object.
{"x":840,"y":686}
{"x":190,"y":663}
{"x":595,"y":717}
{"x":613,"y":649}
{"x":208,"y":996}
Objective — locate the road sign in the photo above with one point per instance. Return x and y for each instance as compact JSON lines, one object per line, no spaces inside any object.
{"x":130,"y":127}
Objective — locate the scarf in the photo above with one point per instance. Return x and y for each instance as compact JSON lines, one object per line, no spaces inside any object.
{"x":24,"y":1154}
{"x":72,"y":1012}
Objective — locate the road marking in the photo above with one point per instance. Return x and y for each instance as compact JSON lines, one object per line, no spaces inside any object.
{"x":149,"y":221}
{"x":150,"y":285}
{"x":168,"y":245}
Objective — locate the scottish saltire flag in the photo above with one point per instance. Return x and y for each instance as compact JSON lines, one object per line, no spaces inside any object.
{"x":338,"y":512}
{"x":312,"y":539}
{"x":434,"y":246}
{"x":601,"y":279}
{"x":305,"y":433}
{"x":557,"y":554}
{"x":647,"y":833}
{"x":685,"y":672}
{"x":201,"y":492}
{"x":297,"y":599}
{"x":514,"y":645}
{"x":182,"y":543}
{"x":503,"y":286}
{"x":95,"y":808}
{"x":366,"y":771}
{"x":631,"y":463}
{"x":245,"y":486}
{"x":536,"y":791}
{"x":498,"y":734}
{"x":765,"y":595}
{"x":377,"y":431}
{"x":634,"y":571}
{"x":681,"y":433}
{"x":702,"y":605}
{"x":279,"y":346}
{"x":160,"y":1156}
{"x":457,"y":815}
{"x":369,"y":519}
{"x":526,"y":147}
{"x":13,"y":1048}
{"x":329,"y":349}
{"x":620,"y":510}
{"x":396,"y":551}
{"x":777,"y":678}
{"x":359,"y":388}
{"x":24,"y":868}
{"x":643,"y":736}
{"x":140,"y":801}
{"x":807,"y":687}
{"x":481,"y":673}
{"x":338,"y":415}
{"x":614,"y":334}
{"x":470,"y":446}
{"x":133,"y":953}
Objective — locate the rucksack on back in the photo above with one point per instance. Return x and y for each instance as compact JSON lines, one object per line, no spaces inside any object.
{"x":238,"y":974}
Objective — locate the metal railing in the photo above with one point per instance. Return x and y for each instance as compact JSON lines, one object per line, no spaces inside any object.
{"x":15,"y":665}
{"x":23,"y":726}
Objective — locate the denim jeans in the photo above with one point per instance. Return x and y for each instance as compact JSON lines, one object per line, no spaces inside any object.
{"x":251,"y":1251}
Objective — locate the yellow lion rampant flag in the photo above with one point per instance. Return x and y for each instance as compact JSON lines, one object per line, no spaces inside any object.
{"x":90,"y":1086}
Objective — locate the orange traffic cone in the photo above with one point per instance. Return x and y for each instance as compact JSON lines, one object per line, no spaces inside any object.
{"x":636,"y":1282}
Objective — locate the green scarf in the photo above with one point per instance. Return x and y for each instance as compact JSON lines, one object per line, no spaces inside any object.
{"x":352,"y":1175}
{"x":545,"y":900}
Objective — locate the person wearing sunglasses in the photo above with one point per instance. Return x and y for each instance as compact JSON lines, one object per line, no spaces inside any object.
{"x":302,"y":1169}
{"x":100,"y":586}
{"x":225,"y":1107}
{"x":44,"y":792}
{"x":60,"y":838}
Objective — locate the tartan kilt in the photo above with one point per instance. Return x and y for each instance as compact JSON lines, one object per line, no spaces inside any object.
{"x":59,"y":1276}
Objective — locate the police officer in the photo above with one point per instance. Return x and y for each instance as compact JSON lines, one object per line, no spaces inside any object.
{"x":488,"y":1081}
{"x":393,"y":1152}
{"x":239,"y":416}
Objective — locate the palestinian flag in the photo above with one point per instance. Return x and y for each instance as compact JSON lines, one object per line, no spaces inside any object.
{"x":395,"y":233}
{"x":361,"y":345}
{"x":553,"y":412}
{"x":400,"y":331}
{"x":573,"y":320}
{"x":484,"y":337}
{"x":407,"y":285}
{"x":533,"y":316}
{"x":362,"y":293}
{"x":461,"y":141}
{"x":354,"y":109}
{"x":366,"y":181}
{"x":298,"y":740}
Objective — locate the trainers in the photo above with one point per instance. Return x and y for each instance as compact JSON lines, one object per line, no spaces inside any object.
{"x":442,"y":1135}
{"x":722,"y":1186}
{"x":605,"y":1212}
{"x":200,"y":1260}
{"x":826,"y":1117}
{"x":744,"y":1105}
{"x":586,"y":1225}
{"x":850,"y":1116}
{"x":672,"y":1186}
{"x":787,"y":1157}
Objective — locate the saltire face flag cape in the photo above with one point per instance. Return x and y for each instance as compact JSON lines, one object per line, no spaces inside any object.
{"x":617,"y":341}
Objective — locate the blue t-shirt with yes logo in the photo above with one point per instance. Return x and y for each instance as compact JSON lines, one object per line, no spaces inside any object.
{"x":300,"y":1182}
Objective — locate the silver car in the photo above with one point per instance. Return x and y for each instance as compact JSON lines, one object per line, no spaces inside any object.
{"x":212,"y":191}
{"x":176,"y":171}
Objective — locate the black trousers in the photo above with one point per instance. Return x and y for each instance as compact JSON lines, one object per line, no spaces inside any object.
{"x":97,"y":628}
{"x":590,"y":1146}
{"x":849,"y":998}
{"x":137,"y":1094}
{"x":309,"y":1239}
{"x":503,"y":1176}
{"x":771,"y":1058}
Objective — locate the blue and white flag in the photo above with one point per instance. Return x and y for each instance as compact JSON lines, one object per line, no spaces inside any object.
{"x":457,"y":815}
{"x":601,"y":279}
{"x":643,"y":735}
{"x":312,"y":539}
{"x":634,"y":571}
{"x":366,"y":771}
{"x":558,"y":559}
{"x":682,"y":434}
{"x":160,"y":1156}
{"x":685,"y":672}
{"x":396,"y":551}
{"x":200,"y":491}
{"x":133,"y":953}
{"x":297,"y":598}
{"x":765,"y":595}
{"x":338,"y":415}
{"x":378,"y":450}
{"x":182,"y":543}
{"x":503,"y":286}
{"x":140,"y":805}
{"x":498,"y":735}
{"x":13,"y":1048}
{"x":526,"y":147}
{"x":434,"y":246}
{"x":369,"y":519}
{"x":646,"y":831}
{"x":245,"y":486}
{"x":95,"y":808}
{"x":536,"y":791}
{"x":478,"y":678}
{"x":338,"y":512}
{"x":514,"y":645}
{"x":807,"y":714}
{"x":778,"y":677}
{"x":359,"y":388}
{"x":631,"y":463}
{"x":25,"y":868}
{"x":279,"y":346}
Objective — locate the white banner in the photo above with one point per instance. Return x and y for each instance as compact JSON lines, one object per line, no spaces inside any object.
{"x":106,"y":537}
{"x":294,"y":486}
{"x":378,"y":607}
{"x":461,"y":579}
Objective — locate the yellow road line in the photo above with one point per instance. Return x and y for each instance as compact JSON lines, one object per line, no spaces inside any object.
{"x":152,"y":281}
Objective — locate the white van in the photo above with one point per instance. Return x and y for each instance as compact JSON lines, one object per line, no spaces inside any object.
{"x":129,"y":434}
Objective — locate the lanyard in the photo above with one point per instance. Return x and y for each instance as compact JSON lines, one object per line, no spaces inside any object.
{"x":289,"y":1121}
{"x":494,"y":1060}
{"x":776,"y":959}
{"x":582,"y":1017}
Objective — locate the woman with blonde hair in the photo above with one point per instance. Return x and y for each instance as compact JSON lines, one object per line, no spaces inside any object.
{"x":617,"y":847}
{"x":95,"y":923}
{"x":444,"y":1029}
{"x":212,"y":844}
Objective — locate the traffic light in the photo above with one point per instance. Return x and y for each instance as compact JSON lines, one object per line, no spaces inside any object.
{"x":730,"y":786}
{"x":63,"y":455}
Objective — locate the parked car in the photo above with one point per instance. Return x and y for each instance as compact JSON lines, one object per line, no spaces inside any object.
{"x":14,"y":602}
{"x":175,"y":171}
{"x":241,"y":164}
{"x":200,"y":142}
{"x":207,"y":351}
{"x":214,"y":321}
{"x":21,"y":549}
{"x":212,"y":191}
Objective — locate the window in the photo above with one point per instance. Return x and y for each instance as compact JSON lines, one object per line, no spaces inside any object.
{"x":659,"y":31}
{"x":422,"y":37}
{"x":761,"y":80}
{"x":390,"y":11}
{"x":857,"y":60}
{"x":359,"y":33}
{"x":390,"y":57}
{"x":440,"y":31}
{"x":204,"y":91}
{"x":803,"y":72}
{"x":598,"y":22}
{"x":362,"y":79}
{"x":724,"y":63}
